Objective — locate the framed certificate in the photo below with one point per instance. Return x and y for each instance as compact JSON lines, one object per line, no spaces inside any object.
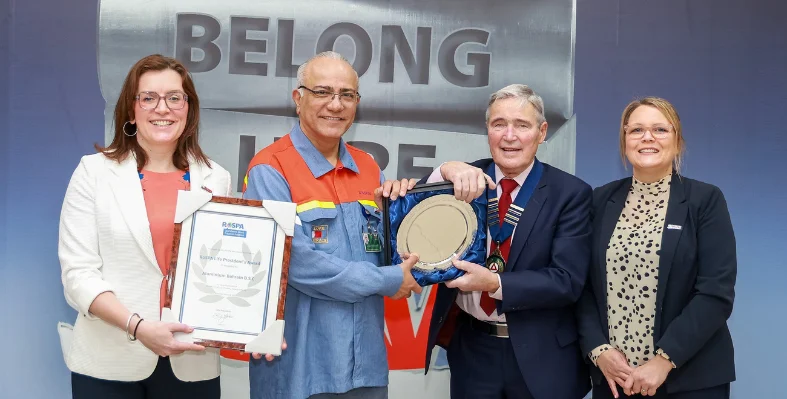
{"x":228,"y":274}
{"x":430,"y":221}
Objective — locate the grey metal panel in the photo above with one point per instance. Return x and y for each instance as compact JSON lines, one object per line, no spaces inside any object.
{"x":505,"y":42}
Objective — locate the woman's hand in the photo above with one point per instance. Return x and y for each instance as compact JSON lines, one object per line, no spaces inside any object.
{"x":159,"y":337}
{"x":646,"y":379}
{"x":616,"y":369}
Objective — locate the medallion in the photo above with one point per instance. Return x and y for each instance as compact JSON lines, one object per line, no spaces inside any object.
{"x":495,"y":262}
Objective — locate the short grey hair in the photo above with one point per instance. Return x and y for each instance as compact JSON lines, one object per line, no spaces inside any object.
{"x":522,"y":92}
{"x":331,"y":55}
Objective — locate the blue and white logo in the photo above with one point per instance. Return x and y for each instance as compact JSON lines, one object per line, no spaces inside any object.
{"x":232,"y":229}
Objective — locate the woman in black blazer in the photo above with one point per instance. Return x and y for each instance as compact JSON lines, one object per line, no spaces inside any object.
{"x":653,"y":316}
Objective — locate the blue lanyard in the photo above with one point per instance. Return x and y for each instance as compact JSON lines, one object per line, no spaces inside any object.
{"x":501,"y":233}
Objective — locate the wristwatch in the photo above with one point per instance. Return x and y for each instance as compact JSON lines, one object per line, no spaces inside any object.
{"x":661,"y":353}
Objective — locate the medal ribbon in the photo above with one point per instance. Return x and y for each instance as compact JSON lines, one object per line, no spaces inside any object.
{"x":499,"y":232}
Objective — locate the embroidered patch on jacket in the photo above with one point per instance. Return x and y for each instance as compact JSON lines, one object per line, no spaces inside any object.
{"x":320,"y":234}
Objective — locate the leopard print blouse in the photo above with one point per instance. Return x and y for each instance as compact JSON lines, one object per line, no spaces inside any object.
{"x":632,"y":271}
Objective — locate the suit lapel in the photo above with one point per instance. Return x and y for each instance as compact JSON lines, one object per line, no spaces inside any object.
{"x":127,"y":190}
{"x":677,"y":209}
{"x":608,"y":220}
{"x":527,"y":221}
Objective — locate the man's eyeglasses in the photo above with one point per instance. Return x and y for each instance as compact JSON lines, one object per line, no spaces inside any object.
{"x":175,"y":100}
{"x":658,"y":131}
{"x":322,"y":94}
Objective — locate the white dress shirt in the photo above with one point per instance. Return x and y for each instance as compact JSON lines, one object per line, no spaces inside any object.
{"x":470,"y":302}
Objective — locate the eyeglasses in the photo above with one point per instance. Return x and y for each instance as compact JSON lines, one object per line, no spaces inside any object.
{"x":658,"y":131}
{"x":345,"y":96}
{"x":175,"y":100}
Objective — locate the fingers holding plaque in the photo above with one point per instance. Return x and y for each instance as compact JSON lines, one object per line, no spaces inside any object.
{"x":431,"y":222}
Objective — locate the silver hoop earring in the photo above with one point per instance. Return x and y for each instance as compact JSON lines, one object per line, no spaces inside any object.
{"x":126,"y":133}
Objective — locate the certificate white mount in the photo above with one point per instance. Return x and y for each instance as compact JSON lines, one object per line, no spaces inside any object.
{"x":229,"y":268}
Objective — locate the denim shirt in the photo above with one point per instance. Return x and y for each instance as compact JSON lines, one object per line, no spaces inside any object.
{"x":334,"y":324}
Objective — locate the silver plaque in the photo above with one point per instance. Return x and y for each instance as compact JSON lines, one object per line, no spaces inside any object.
{"x":438,"y":229}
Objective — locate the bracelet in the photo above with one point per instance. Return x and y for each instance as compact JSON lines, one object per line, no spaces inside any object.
{"x":661,"y":353}
{"x":128,"y":324}
{"x":136,"y":327}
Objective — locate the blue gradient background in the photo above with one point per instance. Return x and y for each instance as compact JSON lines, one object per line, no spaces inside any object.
{"x":721,"y":62}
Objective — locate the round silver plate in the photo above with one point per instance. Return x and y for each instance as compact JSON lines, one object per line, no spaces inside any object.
{"x":438,"y":229}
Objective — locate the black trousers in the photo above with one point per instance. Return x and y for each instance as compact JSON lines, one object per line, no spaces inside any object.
{"x":483,"y":366}
{"x":162,"y":384}
{"x":719,"y":392}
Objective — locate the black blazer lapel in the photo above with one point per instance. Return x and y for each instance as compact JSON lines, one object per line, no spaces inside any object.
{"x":674,"y":224}
{"x":527,"y":221}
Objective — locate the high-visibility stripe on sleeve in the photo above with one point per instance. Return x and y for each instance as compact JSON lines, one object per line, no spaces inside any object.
{"x":314,"y":204}
{"x":368,"y":203}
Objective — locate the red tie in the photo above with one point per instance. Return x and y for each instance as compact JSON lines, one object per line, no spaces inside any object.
{"x":507,"y":186}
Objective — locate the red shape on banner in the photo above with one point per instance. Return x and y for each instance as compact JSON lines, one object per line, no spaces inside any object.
{"x":237,"y":355}
{"x":406,"y":350}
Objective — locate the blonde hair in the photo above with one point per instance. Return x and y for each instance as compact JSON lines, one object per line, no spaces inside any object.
{"x":669,"y":112}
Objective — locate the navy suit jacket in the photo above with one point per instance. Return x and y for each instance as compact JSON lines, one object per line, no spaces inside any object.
{"x":548,"y":265}
{"x":696,"y":283}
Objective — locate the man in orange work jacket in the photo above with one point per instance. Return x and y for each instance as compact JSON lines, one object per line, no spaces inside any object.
{"x":334,"y":309}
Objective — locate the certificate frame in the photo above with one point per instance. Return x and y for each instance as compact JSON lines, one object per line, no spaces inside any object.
{"x":238,"y":261}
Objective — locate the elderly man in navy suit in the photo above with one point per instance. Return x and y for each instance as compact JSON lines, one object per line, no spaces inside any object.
{"x":508,"y":326}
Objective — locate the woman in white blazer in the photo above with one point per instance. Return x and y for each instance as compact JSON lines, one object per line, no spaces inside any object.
{"x":115,"y":242}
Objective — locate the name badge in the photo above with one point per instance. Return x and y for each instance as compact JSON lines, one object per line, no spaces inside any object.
{"x":371,"y":238}
{"x":371,"y":242}
{"x":674,"y":227}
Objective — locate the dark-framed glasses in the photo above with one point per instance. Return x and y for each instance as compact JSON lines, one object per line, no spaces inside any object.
{"x":323,"y":94}
{"x":658,"y":130}
{"x":174,"y":99}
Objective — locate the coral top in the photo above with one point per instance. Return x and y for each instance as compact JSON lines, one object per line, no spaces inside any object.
{"x":161,"y":196}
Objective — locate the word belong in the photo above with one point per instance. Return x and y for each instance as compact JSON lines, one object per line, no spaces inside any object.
{"x":201,"y":32}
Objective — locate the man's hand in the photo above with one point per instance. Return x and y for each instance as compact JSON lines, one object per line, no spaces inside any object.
{"x":408,"y":282}
{"x":268,"y":356}
{"x":393,"y":189}
{"x":646,"y":379}
{"x":469,"y":181}
{"x":476,"y":278}
{"x":615,"y":367}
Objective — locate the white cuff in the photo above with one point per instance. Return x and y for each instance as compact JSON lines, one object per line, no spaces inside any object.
{"x":499,"y":293}
{"x":89,"y":291}
{"x":436,"y":175}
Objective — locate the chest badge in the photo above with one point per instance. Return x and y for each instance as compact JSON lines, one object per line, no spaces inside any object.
{"x":320,"y":234}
